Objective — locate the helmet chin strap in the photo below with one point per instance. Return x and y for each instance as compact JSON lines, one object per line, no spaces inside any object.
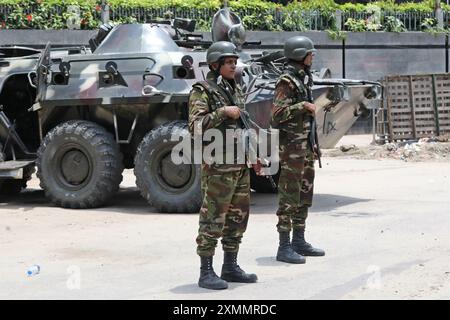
{"x":217,"y":71}
{"x":309,"y":74}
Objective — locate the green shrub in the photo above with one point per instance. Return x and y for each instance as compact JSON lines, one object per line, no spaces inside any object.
{"x":393,"y":24}
{"x":256,"y":14}
{"x":355,"y":25}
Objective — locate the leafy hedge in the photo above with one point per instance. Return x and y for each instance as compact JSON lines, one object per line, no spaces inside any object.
{"x":256,"y":14}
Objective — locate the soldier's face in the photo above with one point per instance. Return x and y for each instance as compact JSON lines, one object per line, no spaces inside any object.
{"x":228,"y":68}
{"x":309,"y":59}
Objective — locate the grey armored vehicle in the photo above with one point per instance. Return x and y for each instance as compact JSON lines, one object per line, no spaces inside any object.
{"x":82,"y":115}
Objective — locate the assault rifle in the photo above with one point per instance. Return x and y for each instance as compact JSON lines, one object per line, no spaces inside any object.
{"x":313,"y":138}
{"x":245,"y":119}
{"x":244,"y":116}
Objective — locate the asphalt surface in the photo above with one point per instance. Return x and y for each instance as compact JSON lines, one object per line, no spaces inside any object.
{"x":384,"y":226}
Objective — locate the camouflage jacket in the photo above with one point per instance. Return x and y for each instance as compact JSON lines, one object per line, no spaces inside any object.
{"x":205,"y":108}
{"x":288,"y":113}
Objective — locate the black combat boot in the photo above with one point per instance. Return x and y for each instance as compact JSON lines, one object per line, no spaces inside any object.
{"x":208,"y":278}
{"x":302,"y":247}
{"x":285,"y":252}
{"x":231,"y":272}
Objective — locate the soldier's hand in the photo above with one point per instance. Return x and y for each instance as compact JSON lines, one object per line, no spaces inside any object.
{"x":258,"y":168}
{"x":310,"y":107}
{"x":232,"y":112}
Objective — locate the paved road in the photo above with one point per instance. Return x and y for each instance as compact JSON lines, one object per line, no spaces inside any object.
{"x":384,"y":226}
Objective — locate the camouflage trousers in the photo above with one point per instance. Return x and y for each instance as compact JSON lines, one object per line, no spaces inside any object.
{"x":225,"y":208}
{"x":295,"y":187}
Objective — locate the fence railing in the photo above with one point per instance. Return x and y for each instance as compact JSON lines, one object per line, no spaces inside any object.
{"x":411,"y":20}
{"x":5,"y":11}
{"x":254,"y":19}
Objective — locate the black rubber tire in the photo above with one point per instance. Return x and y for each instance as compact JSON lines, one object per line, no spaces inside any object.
{"x":261,"y":184}
{"x":14,"y":186}
{"x":79,"y":141}
{"x":2,"y":158}
{"x":148,"y":162}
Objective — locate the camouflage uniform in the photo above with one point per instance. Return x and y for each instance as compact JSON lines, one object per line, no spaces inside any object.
{"x":296,"y":182}
{"x":225,"y":187}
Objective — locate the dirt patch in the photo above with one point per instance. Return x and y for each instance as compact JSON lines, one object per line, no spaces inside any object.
{"x":426,"y":149}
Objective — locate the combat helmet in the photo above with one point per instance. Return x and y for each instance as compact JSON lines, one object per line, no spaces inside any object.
{"x":297,"y":48}
{"x":221,"y":49}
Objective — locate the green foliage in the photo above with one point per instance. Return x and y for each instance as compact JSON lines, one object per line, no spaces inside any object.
{"x":292,"y":21}
{"x":322,"y":5}
{"x":256,"y":14}
{"x":51,"y":14}
{"x":392,"y":24}
{"x":156,"y":4}
{"x":352,"y":7}
{"x":430,"y":25}
{"x":203,"y":25}
{"x":355,"y":25}
{"x":260,"y":21}
{"x":336,"y":34}
{"x":415,"y":7}
{"x":390,"y":5}
{"x":251,"y":4}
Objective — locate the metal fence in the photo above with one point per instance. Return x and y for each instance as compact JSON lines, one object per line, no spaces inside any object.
{"x":255,"y":19}
{"x":146,"y":14}
{"x":5,"y":11}
{"x":447,"y":18}
{"x":411,"y":20}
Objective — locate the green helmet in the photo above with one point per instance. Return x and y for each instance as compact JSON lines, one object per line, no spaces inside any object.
{"x":296,"y":48}
{"x":221,"y":49}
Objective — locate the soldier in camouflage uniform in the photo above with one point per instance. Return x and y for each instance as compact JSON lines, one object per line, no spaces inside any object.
{"x":216,"y":103}
{"x":291,"y":114}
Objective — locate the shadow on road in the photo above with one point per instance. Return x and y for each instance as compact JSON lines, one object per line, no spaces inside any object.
{"x":323,"y":204}
{"x":195,"y":289}
{"x":129,"y":201}
{"x":271,"y":262}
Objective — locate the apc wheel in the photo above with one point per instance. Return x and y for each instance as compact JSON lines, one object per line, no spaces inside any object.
{"x":261,"y":184}
{"x":167,"y":186}
{"x":14,"y":186}
{"x":79,"y":165}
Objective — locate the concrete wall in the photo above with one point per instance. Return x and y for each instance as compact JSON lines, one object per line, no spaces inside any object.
{"x":375,"y":55}
{"x":39,"y":38}
{"x":362,"y":55}
{"x":365,"y":55}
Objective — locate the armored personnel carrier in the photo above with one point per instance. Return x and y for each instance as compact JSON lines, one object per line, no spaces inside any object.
{"x":82,"y":115}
